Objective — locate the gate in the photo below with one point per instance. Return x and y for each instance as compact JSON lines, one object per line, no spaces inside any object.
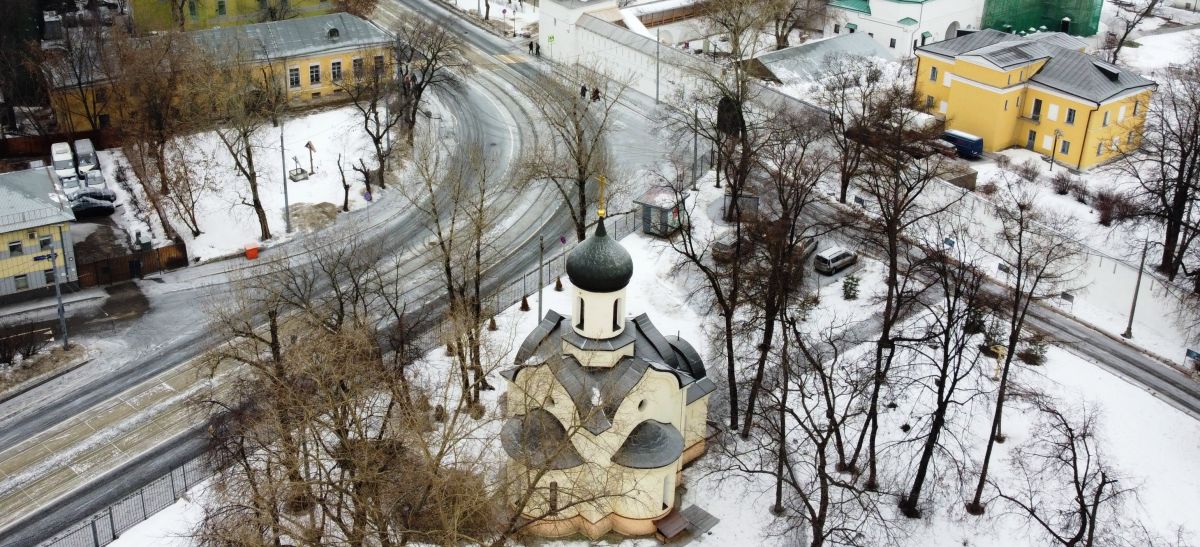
{"x":123,"y":268}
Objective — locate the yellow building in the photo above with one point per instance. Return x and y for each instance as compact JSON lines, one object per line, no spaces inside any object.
{"x":1039,"y":92}
{"x":311,"y":58}
{"x":151,"y":15}
{"x":35,"y":218}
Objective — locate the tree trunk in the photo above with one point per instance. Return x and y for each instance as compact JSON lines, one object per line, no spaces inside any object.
{"x":252,"y":179}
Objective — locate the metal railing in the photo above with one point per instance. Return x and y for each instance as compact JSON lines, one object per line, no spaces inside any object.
{"x":107,"y":525}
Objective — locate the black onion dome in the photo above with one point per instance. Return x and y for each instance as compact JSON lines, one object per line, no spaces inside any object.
{"x":600,"y":263}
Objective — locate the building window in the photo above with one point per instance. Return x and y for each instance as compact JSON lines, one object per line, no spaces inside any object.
{"x":851,"y":29}
{"x":1105,"y":124}
{"x":929,"y":101}
{"x":1136,"y":107}
{"x":49,"y":276}
{"x":1005,"y":105}
{"x":1071,"y":115}
{"x":892,"y":43}
{"x":294,"y":77}
{"x":45,"y":243}
{"x":22,"y":282}
{"x":1036,"y":114}
{"x":933,"y":74}
{"x":1100,"y":149}
{"x":1009,"y":80}
{"x":837,"y":29}
{"x":1064,"y":147}
{"x":15,"y":248}
{"x":335,"y":71}
{"x":314,"y":74}
{"x":579,"y":324}
{"x":316,"y":95}
{"x":1129,"y":139}
{"x":192,"y":8}
{"x":616,"y":309}
{"x":357,"y":66}
{"x":220,"y":7}
{"x":379,"y":65}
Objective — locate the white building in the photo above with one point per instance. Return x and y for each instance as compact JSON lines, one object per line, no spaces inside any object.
{"x":904,"y":25}
{"x":603,"y":409}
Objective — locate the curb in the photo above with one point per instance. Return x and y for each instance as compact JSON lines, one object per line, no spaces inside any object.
{"x":32,"y":384}
{"x":52,"y":306}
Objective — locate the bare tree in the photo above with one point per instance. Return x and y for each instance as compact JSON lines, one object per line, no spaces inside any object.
{"x":245,"y":97}
{"x":358,"y":8}
{"x":795,"y":162}
{"x":427,"y":53}
{"x":1129,"y":15}
{"x":190,"y":179}
{"x":949,"y":361}
{"x":578,"y":152}
{"x":371,"y":92}
{"x":793,"y":15}
{"x":1041,"y":257}
{"x":847,"y":94}
{"x":1068,"y":488}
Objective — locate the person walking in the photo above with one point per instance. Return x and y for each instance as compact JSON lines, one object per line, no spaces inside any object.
{"x":583,"y":92}
{"x":595,"y":94}
{"x":531,"y":48}
{"x":537,"y":50}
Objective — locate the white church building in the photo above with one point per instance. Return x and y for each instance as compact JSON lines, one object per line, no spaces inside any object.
{"x":903,"y":25}
{"x":604,"y":410}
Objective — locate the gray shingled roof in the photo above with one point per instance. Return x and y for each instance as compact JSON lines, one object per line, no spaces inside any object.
{"x":1067,"y":69}
{"x":651,"y":445}
{"x":538,"y":440}
{"x":294,"y":37}
{"x":597,"y":392}
{"x":1087,"y":76}
{"x":32,"y":198}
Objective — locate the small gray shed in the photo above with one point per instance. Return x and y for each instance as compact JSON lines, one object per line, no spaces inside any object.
{"x":661,"y":210}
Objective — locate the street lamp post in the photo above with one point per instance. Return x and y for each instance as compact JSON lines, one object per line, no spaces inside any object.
{"x":1054,"y":150}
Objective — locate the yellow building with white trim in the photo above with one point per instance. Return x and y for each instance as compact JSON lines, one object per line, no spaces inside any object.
{"x":35,"y":217}
{"x":1039,"y":92}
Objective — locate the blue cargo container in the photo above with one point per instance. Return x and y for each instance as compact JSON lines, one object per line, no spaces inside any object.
{"x":969,"y":146}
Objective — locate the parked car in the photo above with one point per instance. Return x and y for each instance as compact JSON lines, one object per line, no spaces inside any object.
{"x":63,"y":163}
{"x":834,"y":260}
{"x":969,"y":146}
{"x":85,"y":156}
{"x":95,"y":179}
{"x":87,"y":207}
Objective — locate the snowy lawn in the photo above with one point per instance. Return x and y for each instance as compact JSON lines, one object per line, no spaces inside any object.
{"x":1154,"y":53}
{"x":227,"y":223}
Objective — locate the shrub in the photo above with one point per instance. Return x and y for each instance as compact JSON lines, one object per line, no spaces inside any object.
{"x":987,"y":189}
{"x":1062,"y":182}
{"x":1080,"y":192}
{"x":1034,"y":353}
{"x":850,"y":287}
{"x":1113,"y":206}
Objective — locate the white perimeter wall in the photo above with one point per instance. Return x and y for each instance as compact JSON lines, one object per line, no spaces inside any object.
{"x":934,"y":16}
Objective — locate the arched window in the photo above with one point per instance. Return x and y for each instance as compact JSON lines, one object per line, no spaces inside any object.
{"x":579,"y":324}
{"x":616,"y":311}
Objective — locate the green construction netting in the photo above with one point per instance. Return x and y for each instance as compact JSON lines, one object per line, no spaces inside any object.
{"x":1078,"y":17}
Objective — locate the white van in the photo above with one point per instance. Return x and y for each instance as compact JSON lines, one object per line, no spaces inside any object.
{"x":63,"y":163}
{"x":834,"y":260}
{"x":85,"y":156}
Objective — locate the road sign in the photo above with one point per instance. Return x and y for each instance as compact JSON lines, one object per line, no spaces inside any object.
{"x":949,"y":242}
{"x":550,"y":39}
{"x":1193,"y":354}
{"x":1068,"y":297}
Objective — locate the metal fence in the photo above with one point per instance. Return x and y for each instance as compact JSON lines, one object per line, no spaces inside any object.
{"x":105,"y":526}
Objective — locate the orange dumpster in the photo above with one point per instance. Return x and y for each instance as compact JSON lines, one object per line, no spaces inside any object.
{"x":251,"y":251}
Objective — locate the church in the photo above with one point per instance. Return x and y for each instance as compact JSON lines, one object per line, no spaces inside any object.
{"x":603,"y":409}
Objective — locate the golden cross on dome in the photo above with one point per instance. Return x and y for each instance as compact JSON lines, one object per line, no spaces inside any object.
{"x":600,"y":209}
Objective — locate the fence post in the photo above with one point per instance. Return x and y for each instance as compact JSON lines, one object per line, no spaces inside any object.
{"x":142,"y":497}
{"x":112,"y":526}
{"x":174,"y":495}
{"x":184,"y":468}
{"x":95,"y":534}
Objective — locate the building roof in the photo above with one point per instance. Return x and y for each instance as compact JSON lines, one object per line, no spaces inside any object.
{"x":294,"y":37}
{"x":600,"y":263}
{"x":861,"y":6}
{"x":1067,"y":69}
{"x":538,"y":440}
{"x":651,"y":445}
{"x":807,"y":62}
{"x":597,"y":392}
{"x":32,"y":198}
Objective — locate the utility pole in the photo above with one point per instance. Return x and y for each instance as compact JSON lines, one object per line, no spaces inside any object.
{"x":1054,"y":150}
{"x":287,"y":211}
{"x":1137,"y":287}
{"x":541,"y":259}
{"x":695,"y":145}
{"x":62,"y":312}
{"x":657,"y":46}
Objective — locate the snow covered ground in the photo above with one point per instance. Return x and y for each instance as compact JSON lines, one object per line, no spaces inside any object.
{"x":227,"y":223}
{"x":1153,"y":445}
{"x":171,"y":527}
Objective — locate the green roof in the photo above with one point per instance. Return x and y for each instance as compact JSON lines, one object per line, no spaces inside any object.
{"x":852,"y":26}
{"x":927,"y":34}
{"x":907,"y":21}
{"x":863,"y":6}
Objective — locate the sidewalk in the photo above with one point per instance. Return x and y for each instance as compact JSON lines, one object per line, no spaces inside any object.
{"x":50,"y":303}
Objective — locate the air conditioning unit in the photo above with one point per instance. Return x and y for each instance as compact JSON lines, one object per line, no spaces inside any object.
{"x":32,"y":235}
